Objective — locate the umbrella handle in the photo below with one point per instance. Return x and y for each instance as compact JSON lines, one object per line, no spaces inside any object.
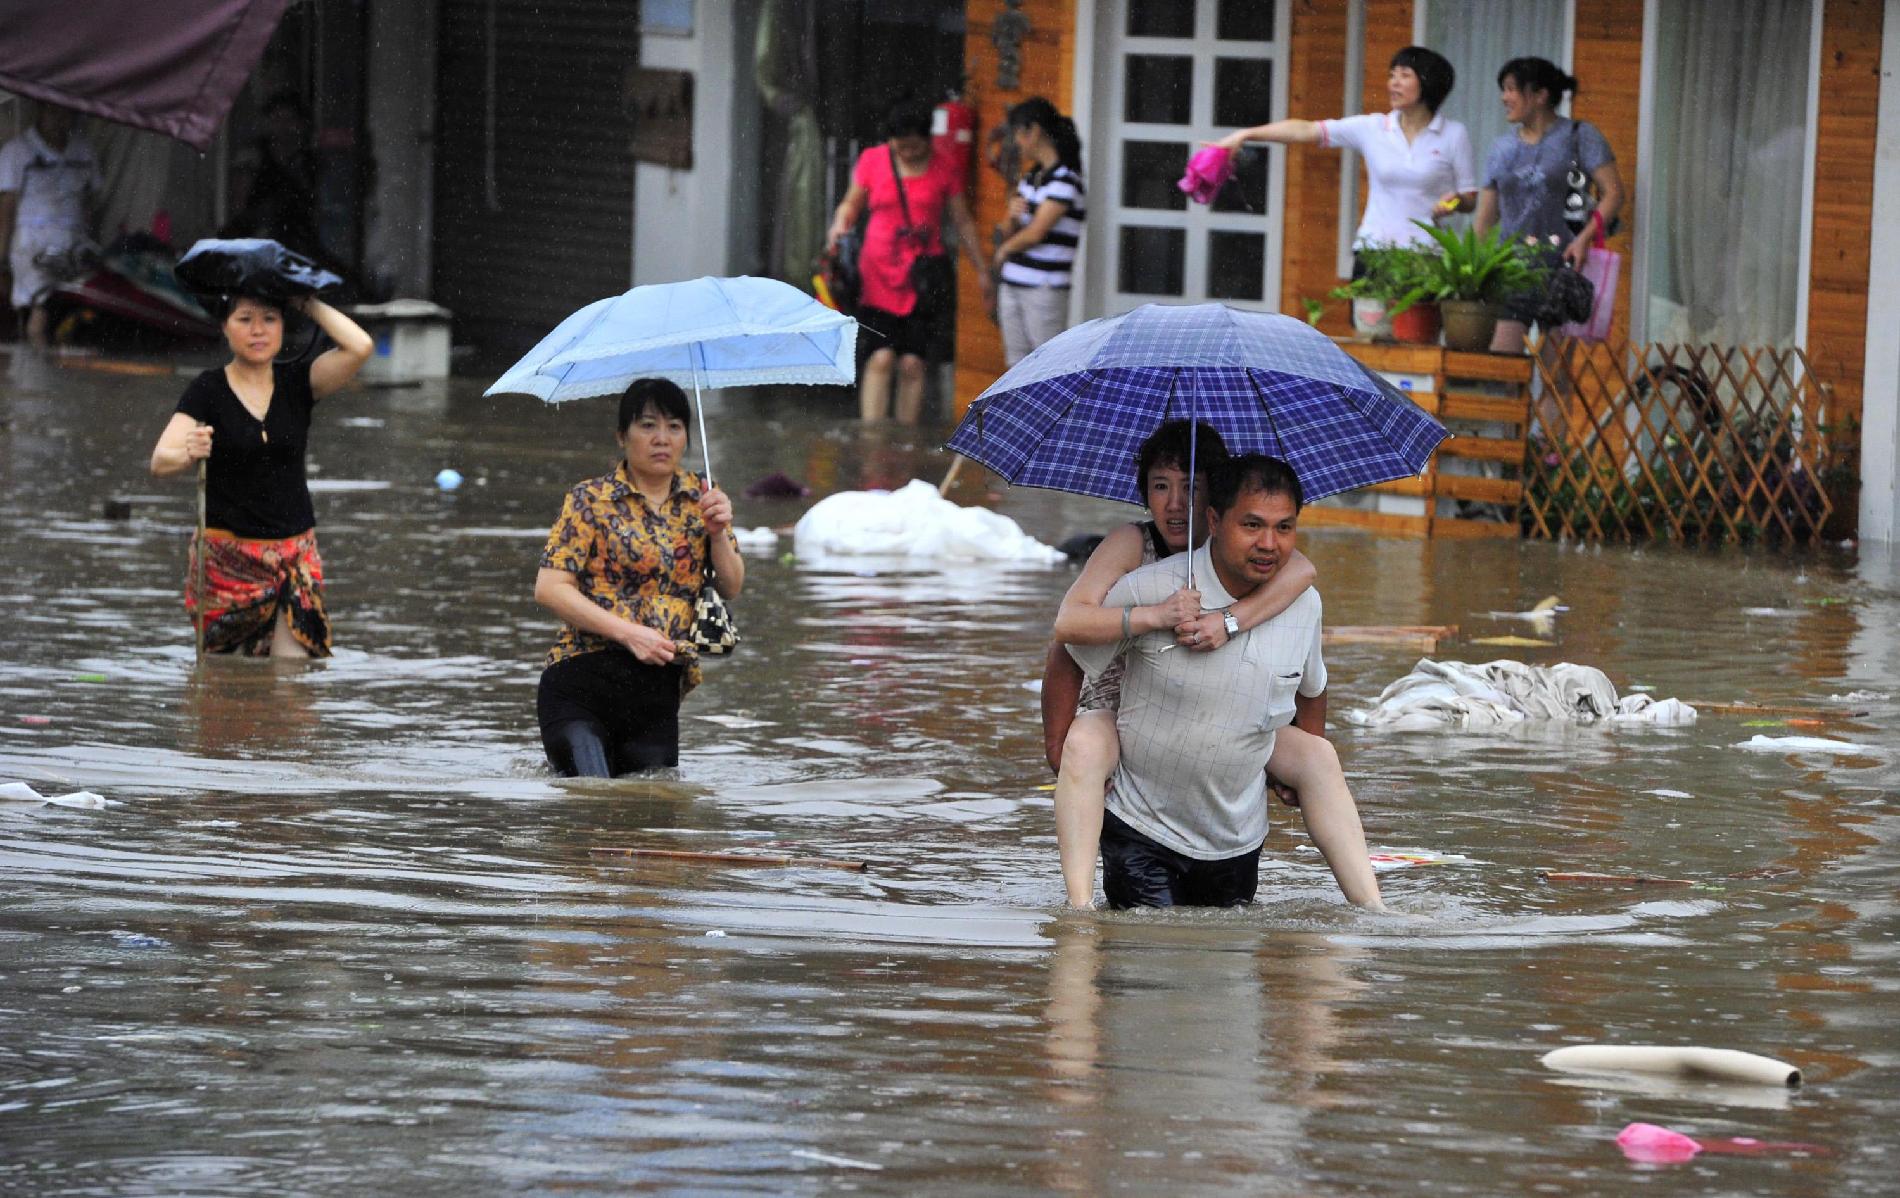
{"x":699,"y":409}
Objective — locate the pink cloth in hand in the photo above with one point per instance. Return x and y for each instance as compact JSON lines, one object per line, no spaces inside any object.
{"x":1654,"y":1145}
{"x":1207,"y":172}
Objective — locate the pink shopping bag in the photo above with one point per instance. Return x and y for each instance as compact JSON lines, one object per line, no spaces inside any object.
{"x":1601,"y":267}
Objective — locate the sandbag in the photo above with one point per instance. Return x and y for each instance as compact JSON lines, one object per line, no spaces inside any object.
{"x":252,"y":266}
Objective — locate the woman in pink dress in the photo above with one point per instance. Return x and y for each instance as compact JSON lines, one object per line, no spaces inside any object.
{"x":888,"y":303}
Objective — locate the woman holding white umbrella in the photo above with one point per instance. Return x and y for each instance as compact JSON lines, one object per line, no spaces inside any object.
{"x":627,"y":562}
{"x":623,"y":569}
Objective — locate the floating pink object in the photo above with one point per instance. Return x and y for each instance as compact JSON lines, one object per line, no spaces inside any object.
{"x":1654,"y":1145}
{"x":36,"y":721}
{"x":1207,"y":172}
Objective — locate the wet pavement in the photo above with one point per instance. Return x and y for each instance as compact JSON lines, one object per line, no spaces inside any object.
{"x":341,"y":932}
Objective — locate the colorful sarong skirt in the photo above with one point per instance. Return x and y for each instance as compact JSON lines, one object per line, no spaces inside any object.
{"x":248,"y":582}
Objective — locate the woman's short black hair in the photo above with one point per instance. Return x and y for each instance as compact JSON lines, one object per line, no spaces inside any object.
{"x":1168,"y":446}
{"x":1434,"y":71}
{"x":662,"y":395}
{"x":907,"y":118}
{"x":1539,"y":75}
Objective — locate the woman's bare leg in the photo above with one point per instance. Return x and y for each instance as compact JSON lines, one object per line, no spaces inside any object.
{"x":874,"y":386}
{"x":1089,"y":754}
{"x":910,"y":389}
{"x":282,"y":643}
{"x":1310,"y":765}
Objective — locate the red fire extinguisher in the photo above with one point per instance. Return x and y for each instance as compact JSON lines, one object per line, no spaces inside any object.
{"x":953,"y":135}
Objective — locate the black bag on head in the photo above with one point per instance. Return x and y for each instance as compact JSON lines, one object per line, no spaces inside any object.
{"x":252,"y":266}
{"x":933,"y":277}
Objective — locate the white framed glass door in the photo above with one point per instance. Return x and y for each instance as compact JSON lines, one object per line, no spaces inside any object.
{"x":1173,"y":74}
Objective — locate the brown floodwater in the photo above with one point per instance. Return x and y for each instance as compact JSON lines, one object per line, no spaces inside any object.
{"x":340,"y":931}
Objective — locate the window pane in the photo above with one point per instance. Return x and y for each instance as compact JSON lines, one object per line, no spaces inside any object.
{"x":1245,"y":21}
{"x":1152,"y":260}
{"x":1248,"y":191}
{"x":1149,"y":172}
{"x":1160,"y":18}
{"x":1725,"y":210}
{"x":1236,"y":266}
{"x":1159,"y":88}
{"x":1243,"y":92}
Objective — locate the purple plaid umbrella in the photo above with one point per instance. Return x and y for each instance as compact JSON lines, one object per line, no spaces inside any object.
{"x":1071,"y":415}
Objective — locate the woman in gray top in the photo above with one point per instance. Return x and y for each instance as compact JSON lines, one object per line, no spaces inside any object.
{"x":1532,"y":171}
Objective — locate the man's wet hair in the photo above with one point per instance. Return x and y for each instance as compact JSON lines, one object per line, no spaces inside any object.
{"x":662,"y":395}
{"x":1235,"y":476}
{"x":1168,"y":446}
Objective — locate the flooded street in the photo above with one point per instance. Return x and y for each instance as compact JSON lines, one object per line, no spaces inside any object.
{"x":341,"y":931}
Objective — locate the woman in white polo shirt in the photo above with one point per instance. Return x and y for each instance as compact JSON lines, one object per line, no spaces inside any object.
{"x":1419,"y":163}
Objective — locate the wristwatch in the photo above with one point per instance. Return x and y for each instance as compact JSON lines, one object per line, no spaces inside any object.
{"x":1228,"y":621}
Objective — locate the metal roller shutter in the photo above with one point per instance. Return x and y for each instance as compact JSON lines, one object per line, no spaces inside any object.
{"x":534,"y":191}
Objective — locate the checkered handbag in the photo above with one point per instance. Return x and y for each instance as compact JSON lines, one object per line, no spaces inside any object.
{"x":713,"y":632}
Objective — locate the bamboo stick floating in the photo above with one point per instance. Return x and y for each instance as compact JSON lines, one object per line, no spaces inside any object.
{"x":759,"y":860}
{"x":1713,"y":1064}
{"x":1615,"y":879}
{"x":1812,"y":713}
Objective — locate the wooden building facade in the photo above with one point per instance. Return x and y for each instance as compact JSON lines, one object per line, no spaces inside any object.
{"x":1148,"y":80}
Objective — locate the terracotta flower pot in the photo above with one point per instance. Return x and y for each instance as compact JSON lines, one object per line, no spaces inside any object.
{"x":1417,"y":325}
{"x":1468,"y":324}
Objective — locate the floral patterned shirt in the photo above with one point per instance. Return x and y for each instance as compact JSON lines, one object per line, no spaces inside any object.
{"x":643,"y":561}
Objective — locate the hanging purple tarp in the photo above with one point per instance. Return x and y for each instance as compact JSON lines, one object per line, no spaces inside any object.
{"x":173,"y":67}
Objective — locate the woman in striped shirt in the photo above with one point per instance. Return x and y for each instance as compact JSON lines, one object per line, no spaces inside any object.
{"x":1037,"y":261}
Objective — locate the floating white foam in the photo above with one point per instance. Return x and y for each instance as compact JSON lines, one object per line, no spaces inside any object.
{"x":914,"y":522}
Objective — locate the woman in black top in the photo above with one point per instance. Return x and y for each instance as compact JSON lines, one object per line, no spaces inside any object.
{"x":263,"y":577}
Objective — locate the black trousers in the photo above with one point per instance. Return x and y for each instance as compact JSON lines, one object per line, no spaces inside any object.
{"x":1137,"y":872}
{"x":605,"y":713}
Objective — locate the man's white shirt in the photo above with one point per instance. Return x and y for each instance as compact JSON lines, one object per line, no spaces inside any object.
{"x":1197,"y":729}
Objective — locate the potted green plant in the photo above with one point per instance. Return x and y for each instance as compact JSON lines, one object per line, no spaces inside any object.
{"x":1387,"y":286}
{"x":1470,"y":275}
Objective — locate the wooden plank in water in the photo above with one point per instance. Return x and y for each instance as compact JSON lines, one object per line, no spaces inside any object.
{"x":1615,"y":879}
{"x":1812,"y":713}
{"x":760,"y":860}
{"x":1424,"y":637}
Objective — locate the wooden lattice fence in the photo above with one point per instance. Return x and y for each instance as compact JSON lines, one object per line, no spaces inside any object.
{"x":1694,"y":444}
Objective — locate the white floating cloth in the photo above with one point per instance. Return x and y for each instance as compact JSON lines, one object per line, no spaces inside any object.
{"x":756,"y":539}
{"x":1499,"y":694}
{"x":1801,"y":744}
{"x":914,"y":522}
{"x":20,"y":792}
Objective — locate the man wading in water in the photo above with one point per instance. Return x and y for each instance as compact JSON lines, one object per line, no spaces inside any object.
{"x":1187,"y":805}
